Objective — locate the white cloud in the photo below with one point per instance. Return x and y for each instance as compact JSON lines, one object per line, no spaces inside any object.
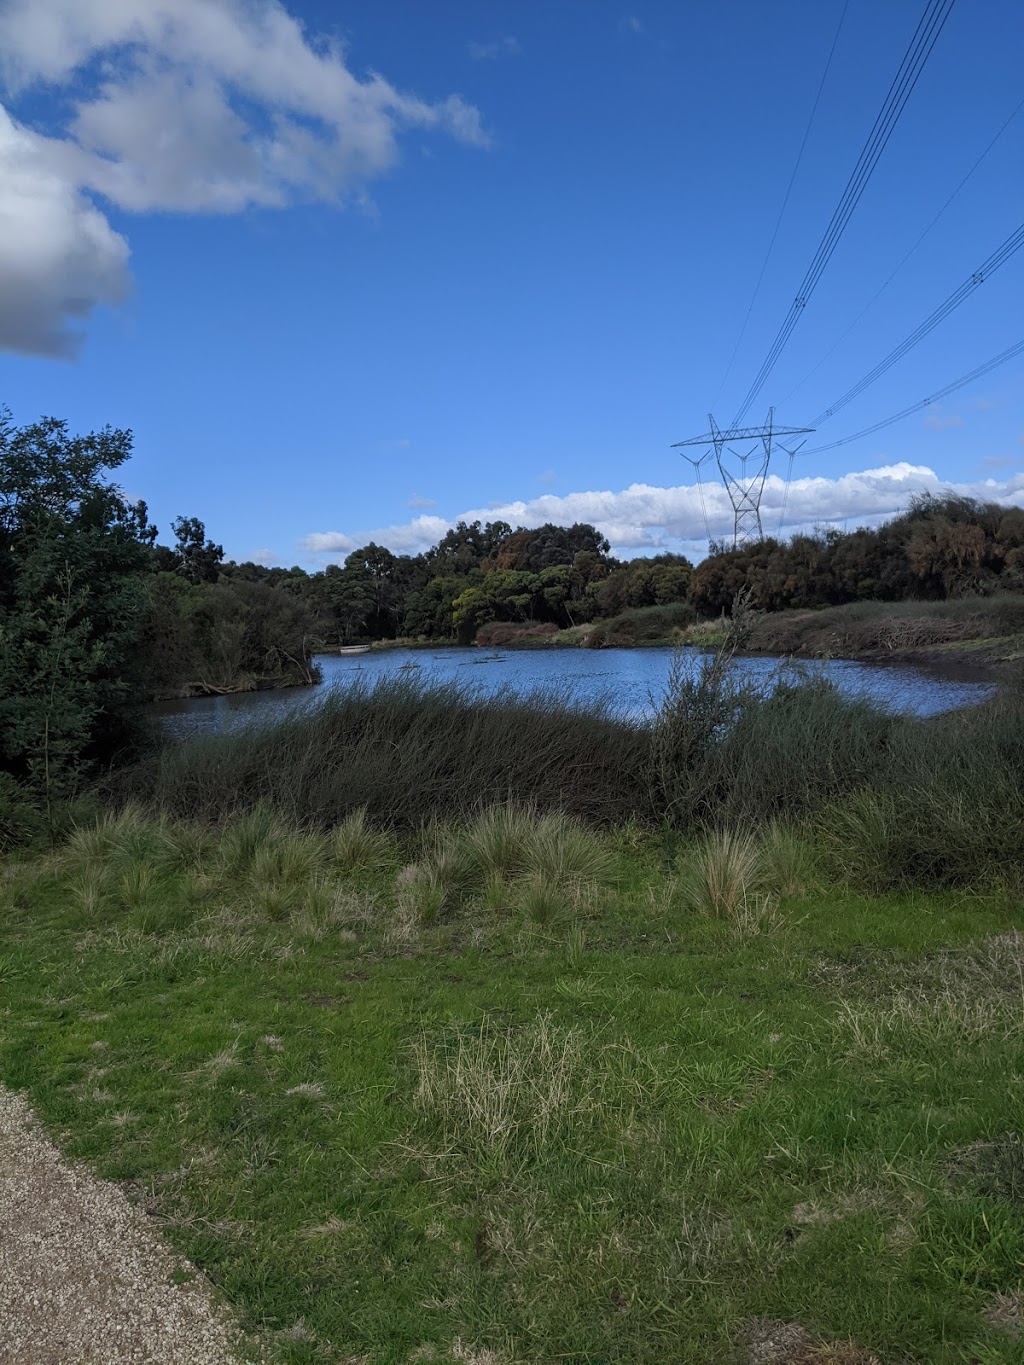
{"x":645,"y":517}
{"x":268,"y":558}
{"x":177,"y":106}
{"x":418,"y":504}
{"x":499,"y":47}
{"x":414,"y":536}
{"x":59,"y":257}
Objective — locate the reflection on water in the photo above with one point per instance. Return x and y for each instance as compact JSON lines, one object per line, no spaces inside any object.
{"x":628,"y":679}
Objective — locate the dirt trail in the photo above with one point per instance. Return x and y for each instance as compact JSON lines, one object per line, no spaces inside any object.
{"x":84,"y":1280}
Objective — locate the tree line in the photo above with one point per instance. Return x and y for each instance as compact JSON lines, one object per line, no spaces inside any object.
{"x":97,"y":615}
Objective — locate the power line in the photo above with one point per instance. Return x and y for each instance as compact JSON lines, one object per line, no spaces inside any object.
{"x":875,"y":297}
{"x":785,"y":201}
{"x":1016,"y":349}
{"x":785,"y":491}
{"x":925,"y":37}
{"x":999,"y":257}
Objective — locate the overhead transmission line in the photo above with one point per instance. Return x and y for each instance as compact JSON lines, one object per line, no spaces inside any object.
{"x":1016,"y":349}
{"x":999,"y":257}
{"x":925,"y":37}
{"x":878,"y":294}
{"x":785,"y":201}
{"x":989,"y":365}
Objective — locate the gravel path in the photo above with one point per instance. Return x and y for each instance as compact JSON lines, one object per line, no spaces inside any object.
{"x":84,"y":1280}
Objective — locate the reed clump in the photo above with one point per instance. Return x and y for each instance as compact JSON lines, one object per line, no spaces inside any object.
{"x":405,"y":753}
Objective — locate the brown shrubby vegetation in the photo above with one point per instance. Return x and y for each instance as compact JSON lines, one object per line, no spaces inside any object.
{"x":941,"y":548}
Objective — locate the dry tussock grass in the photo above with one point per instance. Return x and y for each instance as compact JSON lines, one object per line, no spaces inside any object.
{"x":720,"y":873}
{"x":503,"y":1088}
{"x":1006,"y":1313}
{"x":770,"y":1342}
{"x":969,"y":995}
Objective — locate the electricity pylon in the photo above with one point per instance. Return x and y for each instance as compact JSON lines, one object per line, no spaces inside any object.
{"x":744,"y":470}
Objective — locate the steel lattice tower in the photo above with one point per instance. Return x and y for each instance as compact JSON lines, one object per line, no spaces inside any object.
{"x":743,"y":470}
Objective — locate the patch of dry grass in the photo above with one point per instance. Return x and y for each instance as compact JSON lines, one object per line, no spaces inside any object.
{"x":498,"y":1090}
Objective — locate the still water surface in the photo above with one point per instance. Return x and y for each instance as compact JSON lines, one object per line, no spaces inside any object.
{"x":631,"y":680}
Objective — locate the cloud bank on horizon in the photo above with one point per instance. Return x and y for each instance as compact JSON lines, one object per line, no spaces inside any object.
{"x":190,"y":106}
{"x":644,"y":518}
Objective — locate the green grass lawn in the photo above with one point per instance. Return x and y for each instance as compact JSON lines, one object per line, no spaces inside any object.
{"x":463,"y":1102}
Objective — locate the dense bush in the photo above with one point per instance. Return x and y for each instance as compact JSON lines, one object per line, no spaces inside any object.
{"x":226,"y":635}
{"x":73,"y":553}
{"x":882,"y":627}
{"x":641,"y":626}
{"x":499,"y":634}
{"x":942,"y":547}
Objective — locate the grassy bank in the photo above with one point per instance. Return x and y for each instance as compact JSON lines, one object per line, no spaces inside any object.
{"x":989,"y":628}
{"x":982,"y":630}
{"x":640,"y":626}
{"x":522,"y":1093}
{"x":932,"y":802}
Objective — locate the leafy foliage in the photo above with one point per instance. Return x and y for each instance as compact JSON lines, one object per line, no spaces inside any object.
{"x":940,"y":548}
{"x":72,"y":556}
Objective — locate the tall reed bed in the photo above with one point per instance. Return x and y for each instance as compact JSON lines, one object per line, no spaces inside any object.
{"x":407,"y":753}
{"x":895,"y":800}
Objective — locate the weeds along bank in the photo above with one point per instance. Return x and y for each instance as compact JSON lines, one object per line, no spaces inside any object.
{"x":515,"y":1090}
{"x":933,"y":802}
{"x":984,"y":626}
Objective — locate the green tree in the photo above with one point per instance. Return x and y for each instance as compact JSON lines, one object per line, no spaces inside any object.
{"x":73,"y":554}
{"x":197,"y":558}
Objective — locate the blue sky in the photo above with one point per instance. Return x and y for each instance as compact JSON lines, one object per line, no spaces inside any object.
{"x":361,"y":269}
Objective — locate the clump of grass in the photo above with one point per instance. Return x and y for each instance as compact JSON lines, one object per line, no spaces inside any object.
{"x":496,"y":895}
{"x":422,"y":893}
{"x":756,"y":914}
{"x":183,"y":847}
{"x":242,"y":839}
{"x":719,"y":873}
{"x":274,"y":902}
{"x":498,"y":839}
{"x":789,"y":864}
{"x":541,"y":900}
{"x":356,"y":846}
{"x":858,"y":835}
{"x":288,"y":859}
{"x":137,"y":885}
{"x":561,"y":850}
{"x":88,"y":889}
{"x":507,"y":857}
{"x":115,"y":835}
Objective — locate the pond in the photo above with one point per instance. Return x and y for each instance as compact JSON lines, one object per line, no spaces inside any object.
{"x":630,"y":680}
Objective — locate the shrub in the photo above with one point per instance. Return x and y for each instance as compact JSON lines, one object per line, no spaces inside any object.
{"x":884,"y":627}
{"x":21,"y":819}
{"x":501,"y":634}
{"x":641,"y":626}
{"x":357,"y":847}
{"x":719,"y":873}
